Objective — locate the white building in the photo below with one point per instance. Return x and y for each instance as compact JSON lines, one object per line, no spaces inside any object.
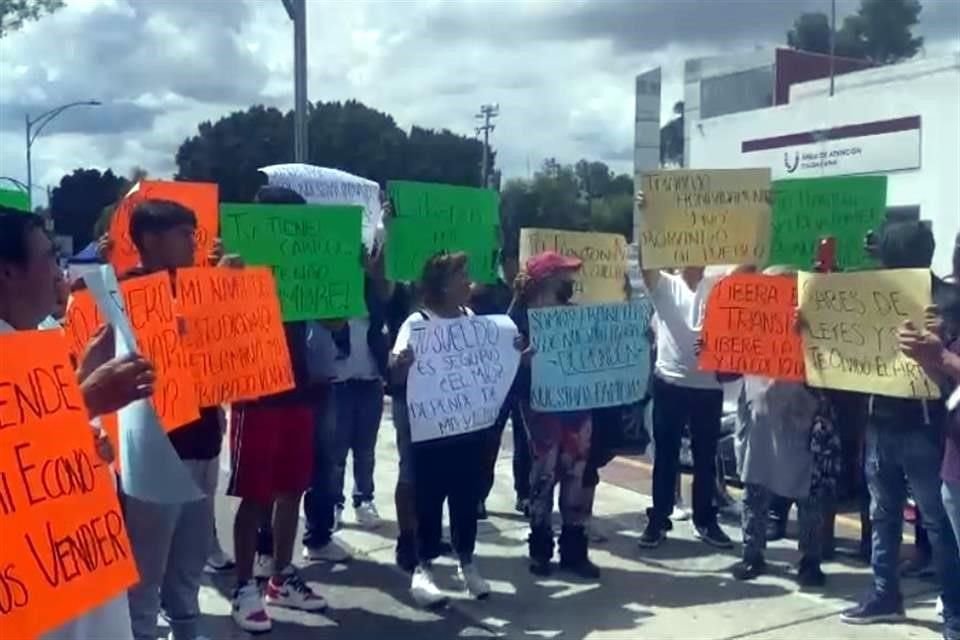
{"x":902,"y":121}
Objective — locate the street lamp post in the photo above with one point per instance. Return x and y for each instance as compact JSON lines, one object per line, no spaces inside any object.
{"x":297,"y":12}
{"x":34,"y":126}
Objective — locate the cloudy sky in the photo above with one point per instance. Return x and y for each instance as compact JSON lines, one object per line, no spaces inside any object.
{"x":561,"y":70}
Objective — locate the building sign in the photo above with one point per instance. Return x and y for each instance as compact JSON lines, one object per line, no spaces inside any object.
{"x":868,"y":147}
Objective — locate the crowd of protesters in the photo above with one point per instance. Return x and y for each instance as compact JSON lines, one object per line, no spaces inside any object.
{"x":792,"y":441}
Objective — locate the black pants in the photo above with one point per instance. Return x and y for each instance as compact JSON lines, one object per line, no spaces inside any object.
{"x":451,"y":471}
{"x":673,"y":407}
{"x":521,"y":452}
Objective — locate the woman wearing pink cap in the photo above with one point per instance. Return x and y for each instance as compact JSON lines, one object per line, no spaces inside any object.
{"x":559,"y":442}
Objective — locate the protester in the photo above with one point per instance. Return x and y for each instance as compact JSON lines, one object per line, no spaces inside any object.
{"x":360,"y":368}
{"x":170,"y":542}
{"x":271,"y":451}
{"x":904,"y":444}
{"x":29,"y":283}
{"x":787,"y":446}
{"x":559,"y":442}
{"x":495,"y":299}
{"x":448,"y":468}
{"x":943,"y":364}
{"x":682,"y":395}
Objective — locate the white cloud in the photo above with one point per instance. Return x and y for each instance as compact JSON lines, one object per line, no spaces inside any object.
{"x":561,"y":71}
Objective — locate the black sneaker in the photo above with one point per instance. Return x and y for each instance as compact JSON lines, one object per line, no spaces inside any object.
{"x":652,"y":536}
{"x":581,"y":568}
{"x":713,"y":535}
{"x":749,"y":569}
{"x":810,"y":575}
{"x":875,"y":609}
{"x":541,"y":567}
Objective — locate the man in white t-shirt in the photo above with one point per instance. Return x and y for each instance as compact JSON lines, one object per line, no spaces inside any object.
{"x":683,"y":395}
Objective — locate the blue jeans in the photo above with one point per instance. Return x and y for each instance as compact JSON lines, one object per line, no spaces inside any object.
{"x":895,"y":456}
{"x":358,"y":407}
{"x":951,"y":502}
{"x":319,"y":501}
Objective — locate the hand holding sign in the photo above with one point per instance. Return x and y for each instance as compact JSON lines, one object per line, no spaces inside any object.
{"x":116,"y":383}
{"x":460,"y":372}
{"x":589,"y":357}
{"x":853,"y":322}
{"x":63,"y":543}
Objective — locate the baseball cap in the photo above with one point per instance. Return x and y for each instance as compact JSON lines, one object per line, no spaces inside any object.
{"x":543,"y":265}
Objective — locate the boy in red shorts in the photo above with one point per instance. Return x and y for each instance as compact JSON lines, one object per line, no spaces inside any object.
{"x":271,"y":442}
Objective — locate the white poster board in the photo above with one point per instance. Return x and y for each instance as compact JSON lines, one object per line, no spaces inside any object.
{"x":322,"y":185}
{"x":461,"y":373}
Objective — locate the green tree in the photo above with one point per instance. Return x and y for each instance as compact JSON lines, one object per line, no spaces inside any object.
{"x":557,"y":198}
{"x":880,"y":31}
{"x":14,"y":13}
{"x":348,"y":136}
{"x":884,"y":28}
{"x":77,"y":202}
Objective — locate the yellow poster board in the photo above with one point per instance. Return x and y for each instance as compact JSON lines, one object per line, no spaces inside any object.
{"x":850,"y":341}
{"x":704,"y":217}
{"x":604,"y":255}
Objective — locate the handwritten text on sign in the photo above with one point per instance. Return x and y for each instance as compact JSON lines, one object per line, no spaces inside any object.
{"x":314,"y":251}
{"x":806,"y":210}
{"x":63,"y":544}
{"x":604,"y":256}
{"x":853,"y":319}
{"x":202,"y":198}
{"x":749,"y":327}
{"x":461,"y":373}
{"x":437,"y":217}
{"x":234,"y":336}
{"x":149,"y":304}
{"x":699,"y":218}
{"x":588,"y":357}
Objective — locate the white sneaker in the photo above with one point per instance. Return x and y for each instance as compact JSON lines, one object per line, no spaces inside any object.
{"x":293,"y":593}
{"x":338,"y":518}
{"x":330,"y":552}
{"x":367,"y":515}
{"x":248,"y":611}
{"x":473,"y":581}
{"x":424,"y":590}
{"x":263,"y":567}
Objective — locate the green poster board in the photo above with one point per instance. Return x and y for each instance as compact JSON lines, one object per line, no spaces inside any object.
{"x":806,"y":210}
{"x":15,"y":199}
{"x":315,"y":253}
{"x":429,"y":218}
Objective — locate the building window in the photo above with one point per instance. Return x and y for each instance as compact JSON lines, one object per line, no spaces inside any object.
{"x":736,"y":92}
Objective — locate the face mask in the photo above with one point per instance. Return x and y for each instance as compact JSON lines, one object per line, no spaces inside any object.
{"x":565,"y":292}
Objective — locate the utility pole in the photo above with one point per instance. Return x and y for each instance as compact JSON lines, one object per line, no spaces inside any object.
{"x":833,"y":40}
{"x":297,"y":12}
{"x":487,"y":113}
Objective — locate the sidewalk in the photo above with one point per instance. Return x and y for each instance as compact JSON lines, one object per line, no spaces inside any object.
{"x":682,"y":590}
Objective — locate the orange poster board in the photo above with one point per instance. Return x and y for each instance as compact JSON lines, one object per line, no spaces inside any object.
{"x":749,"y":327}
{"x":233,"y":334}
{"x":63,"y":544}
{"x":150,"y":307}
{"x":202,"y":198}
